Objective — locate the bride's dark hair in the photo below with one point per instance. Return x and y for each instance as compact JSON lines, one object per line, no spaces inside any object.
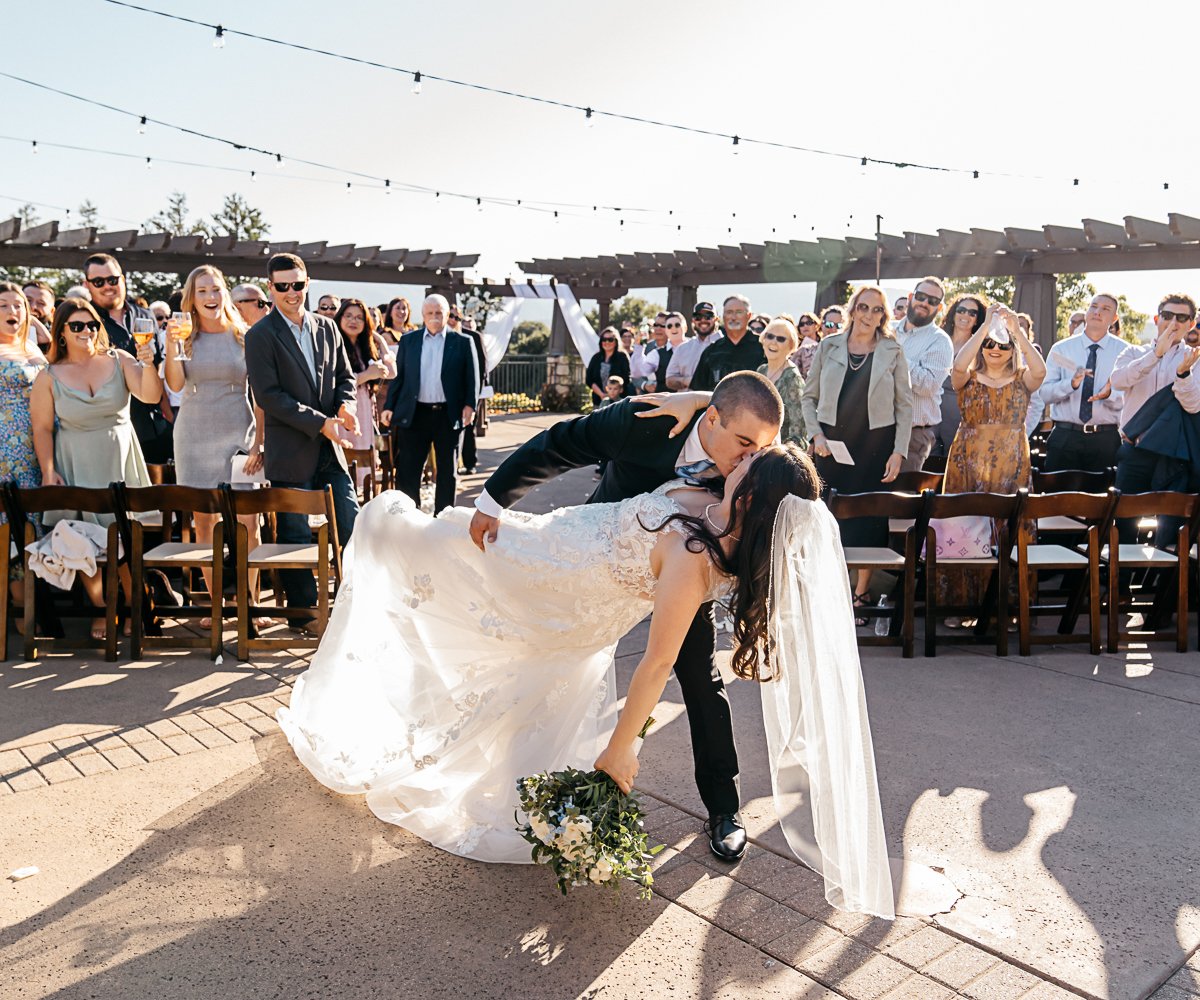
{"x":777,"y":471}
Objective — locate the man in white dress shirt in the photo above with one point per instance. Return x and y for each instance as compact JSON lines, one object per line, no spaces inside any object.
{"x":929,"y":353}
{"x":686,"y":356}
{"x":1084,"y":405}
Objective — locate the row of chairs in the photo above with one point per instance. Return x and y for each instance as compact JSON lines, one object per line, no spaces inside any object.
{"x":146,"y":523}
{"x":1076,"y":535}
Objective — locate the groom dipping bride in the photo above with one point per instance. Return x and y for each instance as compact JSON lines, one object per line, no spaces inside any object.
{"x":472,"y":649}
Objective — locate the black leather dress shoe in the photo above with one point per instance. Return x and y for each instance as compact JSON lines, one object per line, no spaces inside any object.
{"x":726,"y":836}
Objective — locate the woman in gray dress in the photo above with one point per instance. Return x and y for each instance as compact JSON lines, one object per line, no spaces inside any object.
{"x":216,"y":421}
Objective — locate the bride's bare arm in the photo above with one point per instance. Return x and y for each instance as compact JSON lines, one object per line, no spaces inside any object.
{"x":682,"y":587}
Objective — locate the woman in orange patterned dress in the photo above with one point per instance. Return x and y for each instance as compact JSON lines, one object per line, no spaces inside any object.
{"x":994,"y":374}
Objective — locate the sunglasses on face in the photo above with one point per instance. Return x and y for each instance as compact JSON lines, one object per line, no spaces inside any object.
{"x":295,"y":286}
{"x":608,"y":340}
{"x":112,"y":281}
{"x":966,"y":311}
{"x":660,"y":326}
{"x":674,"y":326}
{"x":326,"y":309}
{"x":1168,"y":315}
{"x":78,"y":326}
{"x":931,"y":300}
{"x":775,"y":338}
{"x":862,"y":307}
{"x":756,"y":328}
{"x":704,"y":315}
{"x":253,"y":302}
{"x":991,"y":345}
{"x":831,"y":324}
{"x":807,"y":322}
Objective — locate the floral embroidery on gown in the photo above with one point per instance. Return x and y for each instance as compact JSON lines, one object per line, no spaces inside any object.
{"x":447,"y":673}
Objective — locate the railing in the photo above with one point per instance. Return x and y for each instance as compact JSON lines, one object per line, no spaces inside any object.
{"x":518,"y":381}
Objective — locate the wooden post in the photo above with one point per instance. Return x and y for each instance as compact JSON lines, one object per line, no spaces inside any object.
{"x":1037,"y":295}
{"x":605,"y":307}
{"x":682,"y":298}
{"x":833,"y":294}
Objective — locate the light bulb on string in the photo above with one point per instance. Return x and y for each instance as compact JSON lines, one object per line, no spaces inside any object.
{"x":34,"y":148}
{"x":348,"y":187}
{"x":736,"y":143}
{"x":478,"y":204}
{"x":219,"y":38}
{"x":142,"y":126}
{"x":416,"y":87}
{"x":588,"y":120}
{"x":253,"y":176}
{"x":278,"y":161}
{"x":387,"y":187}
{"x":149,"y":163}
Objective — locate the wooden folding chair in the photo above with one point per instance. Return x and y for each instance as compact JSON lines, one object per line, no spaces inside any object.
{"x":917,"y":482}
{"x":1069,"y":481}
{"x":1093,"y":513}
{"x":174,"y":503}
{"x":1002,"y":509}
{"x":363,"y":459}
{"x":905,"y":565}
{"x":322,"y":556}
{"x":76,"y":500}
{"x":1150,"y":557}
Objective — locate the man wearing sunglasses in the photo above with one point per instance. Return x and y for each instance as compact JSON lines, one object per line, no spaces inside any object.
{"x":1143,"y":371}
{"x":105,"y":282}
{"x":1083,"y":404}
{"x":929,"y":353}
{"x":302,"y":379}
{"x":669,"y":331}
{"x":328,"y":305}
{"x":739,"y":351}
{"x":251,"y":302}
{"x":686,"y":356}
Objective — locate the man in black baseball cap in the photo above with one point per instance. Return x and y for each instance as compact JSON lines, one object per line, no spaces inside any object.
{"x":686,"y":356}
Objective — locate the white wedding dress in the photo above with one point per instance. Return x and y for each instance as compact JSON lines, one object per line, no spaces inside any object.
{"x":447,"y":673}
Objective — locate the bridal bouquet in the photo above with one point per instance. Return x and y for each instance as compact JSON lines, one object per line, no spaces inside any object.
{"x":585,"y":828}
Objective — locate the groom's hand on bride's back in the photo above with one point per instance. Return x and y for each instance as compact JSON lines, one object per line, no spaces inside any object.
{"x":484,"y":527}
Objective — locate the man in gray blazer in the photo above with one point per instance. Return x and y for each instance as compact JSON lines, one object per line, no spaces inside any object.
{"x":301,"y":377}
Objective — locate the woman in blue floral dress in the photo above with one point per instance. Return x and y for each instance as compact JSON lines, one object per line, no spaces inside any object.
{"x":20,"y":364}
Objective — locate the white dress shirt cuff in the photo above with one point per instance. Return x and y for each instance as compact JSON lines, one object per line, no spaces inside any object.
{"x":486,"y":505}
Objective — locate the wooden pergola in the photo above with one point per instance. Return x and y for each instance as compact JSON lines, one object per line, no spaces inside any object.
{"x":48,"y":245}
{"x":1034,"y":257}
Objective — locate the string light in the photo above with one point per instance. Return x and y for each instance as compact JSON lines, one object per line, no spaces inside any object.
{"x":735,"y":146}
{"x":416,"y":87}
{"x":219,"y":38}
{"x":149,"y":164}
{"x":587,"y":118}
{"x":253,"y":176}
{"x":34,"y":149}
{"x":142,"y":126}
{"x":278,"y":161}
{"x":387,"y":187}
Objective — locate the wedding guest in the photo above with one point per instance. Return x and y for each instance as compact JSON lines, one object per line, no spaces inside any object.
{"x":1141,"y":371}
{"x":216,"y":422}
{"x":328,"y":305}
{"x":301,"y":379}
{"x":20,"y":365}
{"x":963,"y":317}
{"x":658,"y":358}
{"x":740,"y":350}
{"x":105,"y":278}
{"x":397,"y":320}
{"x":994,"y":379}
{"x":809,"y":328}
{"x":470,"y":448}
{"x":900,"y":309}
{"x":1075,"y":322}
{"x":429,"y":402}
{"x":608,"y":360}
{"x":40,"y":297}
{"x":930,"y":355}
{"x":82,"y":431}
{"x":1083,"y":404}
{"x":833,"y":318}
{"x":861,"y":371}
{"x":780,"y":339}
{"x":78,"y":292}
{"x":1037,"y":406}
{"x":251,"y":303}
{"x":686,"y":356}
{"x":614,"y":390}
{"x":372,"y":364}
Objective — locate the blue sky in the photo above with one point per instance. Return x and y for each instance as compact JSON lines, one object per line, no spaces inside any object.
{"x":1046,"y":90}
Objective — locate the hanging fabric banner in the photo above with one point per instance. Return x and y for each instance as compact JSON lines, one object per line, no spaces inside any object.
{"x":498,"y":331}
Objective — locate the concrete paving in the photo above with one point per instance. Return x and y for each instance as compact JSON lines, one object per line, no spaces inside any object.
{"x":184,"y":852}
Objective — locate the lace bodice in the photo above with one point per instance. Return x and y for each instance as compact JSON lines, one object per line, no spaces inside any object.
{"x":631,"y":539}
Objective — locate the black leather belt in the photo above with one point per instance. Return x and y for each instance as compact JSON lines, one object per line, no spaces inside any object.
{"x":1085,"y":428}
{"x":433,"y":406}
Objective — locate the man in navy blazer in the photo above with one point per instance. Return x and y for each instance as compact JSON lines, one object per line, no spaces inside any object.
{"x":301,"y":377}
{"x":430,"y":401}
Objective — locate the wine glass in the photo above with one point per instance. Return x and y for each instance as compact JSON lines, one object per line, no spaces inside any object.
{"x":144,"y":329}
{"x":179,"y":328}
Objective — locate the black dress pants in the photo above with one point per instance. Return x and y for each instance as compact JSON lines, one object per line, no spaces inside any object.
{"x":470,"y":456}
{"x":431,"y":425}
{"x":709,"y":717}
{"x":1070,"y":448}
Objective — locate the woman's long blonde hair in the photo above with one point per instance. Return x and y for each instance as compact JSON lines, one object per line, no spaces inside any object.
{"x":229,"y":314}
{"x":885,"y":327}
{"x":23,"y":329}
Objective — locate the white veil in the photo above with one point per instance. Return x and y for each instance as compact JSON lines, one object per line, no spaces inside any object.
{"x":815,"y":713}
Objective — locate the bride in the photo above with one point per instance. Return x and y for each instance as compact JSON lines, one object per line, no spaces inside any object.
{"x":447,"y":673}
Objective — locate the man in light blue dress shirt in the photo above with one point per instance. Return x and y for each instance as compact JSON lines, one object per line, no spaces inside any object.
{"x":1084,"y":406}
{"x":929,"y":353}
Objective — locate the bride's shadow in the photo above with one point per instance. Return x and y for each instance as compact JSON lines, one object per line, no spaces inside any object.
{"x":269,"y":885}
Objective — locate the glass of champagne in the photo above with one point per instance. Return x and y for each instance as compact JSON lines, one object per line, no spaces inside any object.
{"x":179,"y":328}
{"x":143,"y":332}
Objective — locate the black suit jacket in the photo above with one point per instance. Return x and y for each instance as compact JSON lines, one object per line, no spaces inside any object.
{"x":640,"y":454}
{"x":458,"y":378}
{"x":295,"y":405}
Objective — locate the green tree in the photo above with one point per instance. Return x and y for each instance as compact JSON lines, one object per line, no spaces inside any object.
{"x":631,"y":308}
{"x":239,"y":219}
{"x":174,"y":219}
{"x":530,"y":337}
{"x":28,"y":215}
{"x":88,"y":213}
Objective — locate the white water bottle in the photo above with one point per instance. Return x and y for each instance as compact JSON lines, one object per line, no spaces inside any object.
{"x":883,"y":622}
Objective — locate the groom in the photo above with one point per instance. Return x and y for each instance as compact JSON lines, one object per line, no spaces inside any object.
{"x":742,"y":417}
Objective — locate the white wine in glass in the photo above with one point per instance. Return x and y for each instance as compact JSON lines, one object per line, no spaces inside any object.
{"x":179,"y":328}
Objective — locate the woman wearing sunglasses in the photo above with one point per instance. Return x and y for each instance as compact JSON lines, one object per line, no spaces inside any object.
{"x":809,"y":329}
{"x":610,"y":360}
{"x":779,"y":339}
{"x":994,"y":375}
{"x":858,"y":406}
{"x":963,"y":318}
{"x":85,"y":392}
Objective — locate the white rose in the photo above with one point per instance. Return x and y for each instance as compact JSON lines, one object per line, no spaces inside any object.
{"x":541,"y":829}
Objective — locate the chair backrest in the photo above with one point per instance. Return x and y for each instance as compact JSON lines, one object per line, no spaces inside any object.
{"x":145,"y":499}
{"x":39,"y":499}
{"x":283,"y":500}
{"x":1000,"y":506}
{"x":161,"y":475}
{"x":934,"y":463}
{"x":1156,"y":505}
{"x":893,"y":505}
{"x":917,"y":482}
{"x":1073,"y":481}
{"x":1090,"y":508}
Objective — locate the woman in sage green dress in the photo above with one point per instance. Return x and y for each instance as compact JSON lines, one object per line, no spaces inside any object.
{"x":80,"y":410}
{"x":780,"y":340}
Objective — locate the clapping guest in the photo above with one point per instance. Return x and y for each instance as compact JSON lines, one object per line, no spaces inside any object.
{"x":861,"y":371}
{"x":20,"y":365}
{"x":809,"y":329}
{"x":372,"y":364}
{"x":994,"y":377}
{"x":963,"y":317}
{"x":780,"y":339}
{"x":216,"y":422}
{"x":608,"y":360}
{"x":82,"y":431}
